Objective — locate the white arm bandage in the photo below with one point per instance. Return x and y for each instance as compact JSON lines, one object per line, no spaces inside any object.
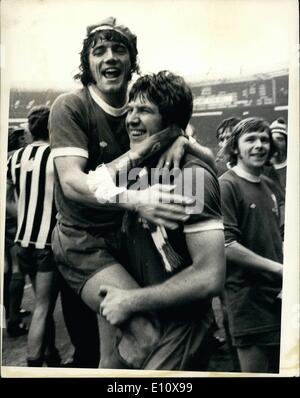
{"x":102,"y":185}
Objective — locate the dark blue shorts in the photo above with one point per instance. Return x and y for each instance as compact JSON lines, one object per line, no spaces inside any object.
{"x":271,"y":338}
{"x":32,"y":260}
{"x":80,"y":254}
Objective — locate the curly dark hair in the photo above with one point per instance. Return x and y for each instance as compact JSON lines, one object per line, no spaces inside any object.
{"x":227,"y":123}
{"x":38,"y":118}
{"x":246,"y":126}
{"x":170,"y":93}
{"x":90,"y":41}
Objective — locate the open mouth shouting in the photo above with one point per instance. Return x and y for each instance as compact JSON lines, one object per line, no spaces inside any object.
{"x":111,"y":73}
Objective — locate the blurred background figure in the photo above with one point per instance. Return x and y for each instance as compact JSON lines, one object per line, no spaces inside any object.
{"x":224,"y":131}
{"x":14,"y":280}
{"x":18,"y":137}
{"x":279,"y":160}
{"x":277,"y":169}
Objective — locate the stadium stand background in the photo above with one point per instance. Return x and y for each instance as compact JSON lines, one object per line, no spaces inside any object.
{"x":264,"y":95}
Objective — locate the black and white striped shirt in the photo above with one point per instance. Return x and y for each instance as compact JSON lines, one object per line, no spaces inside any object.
{"x":30,"y":170}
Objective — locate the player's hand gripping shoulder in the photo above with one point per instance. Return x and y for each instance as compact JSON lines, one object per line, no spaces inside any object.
{"x":172,"y":157}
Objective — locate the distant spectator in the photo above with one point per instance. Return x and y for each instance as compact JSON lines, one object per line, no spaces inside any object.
{"x":16,"y":139}
{"x":224,"y":131}
{"x":277,"y":170}
{"x":279,"y":160}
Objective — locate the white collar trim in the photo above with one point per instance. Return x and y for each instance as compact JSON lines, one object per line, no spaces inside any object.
{"x":245,"y":175}
{"x":104,"y":105}
{"x":280,"y":165}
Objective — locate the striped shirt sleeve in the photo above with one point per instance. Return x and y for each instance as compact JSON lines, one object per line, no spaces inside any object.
{"x":36,"y":211}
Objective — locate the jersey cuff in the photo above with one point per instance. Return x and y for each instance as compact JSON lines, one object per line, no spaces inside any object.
{"x":70,"y":151}
{"x":202,"y":226}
